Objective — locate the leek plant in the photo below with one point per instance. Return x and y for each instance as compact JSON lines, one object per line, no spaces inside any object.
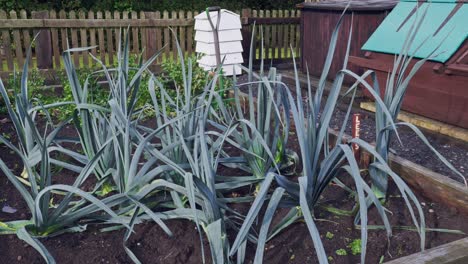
{"x":97,"y":125}
{"x":322,"y":164}
{"x":23,"y":113}
{"x":205,"y":190}
{"x":263,"y":125}
{"x":393,"y":96}
{"x":77,"y":207}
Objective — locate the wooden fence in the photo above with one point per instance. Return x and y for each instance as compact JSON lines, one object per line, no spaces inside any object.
{"x":149,"y":32}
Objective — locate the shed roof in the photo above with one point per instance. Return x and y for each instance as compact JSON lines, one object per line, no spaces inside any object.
{"x":445,"y":24}
{"x":339,"y":5}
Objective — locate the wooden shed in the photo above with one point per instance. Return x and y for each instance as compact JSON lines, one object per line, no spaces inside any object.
{"x":440,"y":88}
{"x":318,"y":20}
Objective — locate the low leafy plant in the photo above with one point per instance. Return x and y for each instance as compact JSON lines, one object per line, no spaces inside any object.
{"x":355,"y":246}
{"x":341,"y":252}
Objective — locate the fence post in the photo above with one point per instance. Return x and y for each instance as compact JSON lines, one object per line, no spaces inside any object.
{"x":246,"y":33}
{"x":43,"y":43}
{"x":150,"y":37}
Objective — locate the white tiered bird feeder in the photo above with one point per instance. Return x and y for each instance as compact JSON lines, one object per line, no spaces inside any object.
{"x":230,"y":41}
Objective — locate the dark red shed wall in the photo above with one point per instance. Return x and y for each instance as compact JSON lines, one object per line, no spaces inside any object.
{"x":318,"y":21}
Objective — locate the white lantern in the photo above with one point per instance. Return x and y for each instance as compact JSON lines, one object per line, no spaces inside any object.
{"x":230,"y":41}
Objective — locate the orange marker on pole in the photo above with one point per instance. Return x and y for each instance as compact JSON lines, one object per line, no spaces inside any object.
{"x":356,"y":129}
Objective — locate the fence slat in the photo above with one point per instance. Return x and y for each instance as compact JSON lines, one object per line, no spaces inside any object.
{"x":84,"y":40}
{"x":182,"y":38}
{"x":298,"y":36}
{"x":17,"y":40}
{"x":7,"y":44}
{"x":159,"y":38}
{"x":64,"y":32}
{"x":26,"y":35}
{"x":143,"y":33}
{"x":166,"y":37}
{"x":292,"y":33}
{"x":92,"y":39}
{"x":261,"y":33}
{"x":173,"y":39}
{"x":274,"y":42}
{"x":285,"y":36}
{"x":257,"y":35}
{"x":124,"y":31}
{"x":135,"y":38}
{"x":110,"y":41}
{"x":267,"y":32}
{"x":74,"y":39}
{"x":189,"y":35}
{"x":101,"y":41}
{"x":117,"y":33}
{"x":280,"y":35}
{"x":55,"y":41}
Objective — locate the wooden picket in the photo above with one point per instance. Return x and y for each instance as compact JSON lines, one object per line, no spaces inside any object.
{"x":149,"y":33}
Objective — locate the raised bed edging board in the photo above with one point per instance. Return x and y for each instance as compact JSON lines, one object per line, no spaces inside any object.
{"x":451,"y":253}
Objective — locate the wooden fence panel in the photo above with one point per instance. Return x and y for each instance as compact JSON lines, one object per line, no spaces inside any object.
{"x":149,"y":33}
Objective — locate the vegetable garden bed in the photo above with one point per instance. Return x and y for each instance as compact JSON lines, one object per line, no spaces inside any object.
{"x":152,"y":245}
{"x":204,"y":180}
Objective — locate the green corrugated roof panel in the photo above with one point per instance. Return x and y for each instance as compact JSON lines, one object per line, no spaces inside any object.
{"x":391,"y":34}
{"x":433,"y":1}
